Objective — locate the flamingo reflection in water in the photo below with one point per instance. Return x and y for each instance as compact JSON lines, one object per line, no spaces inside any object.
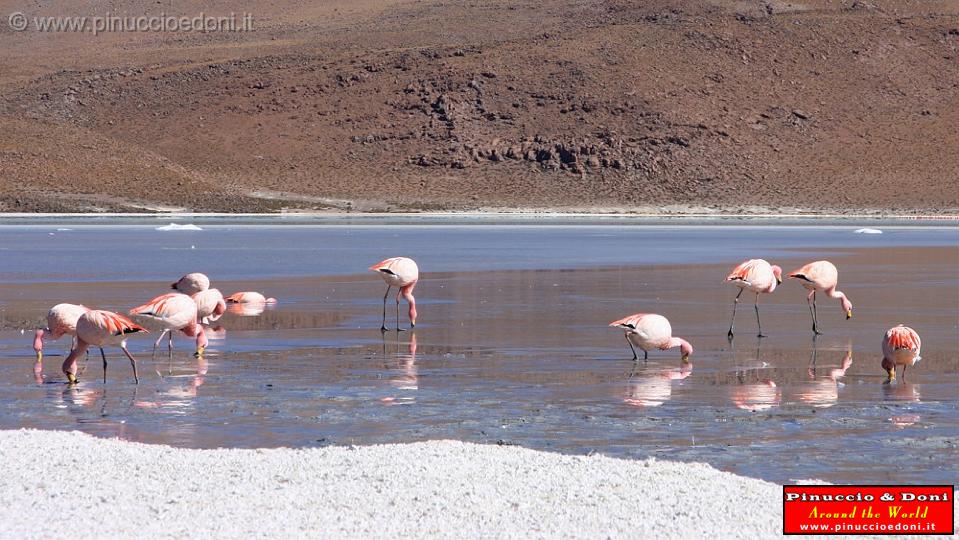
{"x":822,"y":390}
{"x":404,"y":375}
{"x":906,"y":394}
{"x":176,"y":399}
{"x":755,"y":390}
{"x":653,"y":387}
{"x":758,"y":395}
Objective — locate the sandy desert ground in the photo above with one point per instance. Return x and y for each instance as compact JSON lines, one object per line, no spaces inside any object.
{"x":719,"y":105}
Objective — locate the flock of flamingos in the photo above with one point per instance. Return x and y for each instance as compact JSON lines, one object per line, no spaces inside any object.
{"x":193,"y":304}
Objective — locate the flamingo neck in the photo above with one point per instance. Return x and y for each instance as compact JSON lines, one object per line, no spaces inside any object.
{"x":846,"y":304}
{"x":201,"y":339}
{"x":70,"y":363}
{"x":684,"y":347}
{"x":407,"y":292}
{"x":38,"y":340}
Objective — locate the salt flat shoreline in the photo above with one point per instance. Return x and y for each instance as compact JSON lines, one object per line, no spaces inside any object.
{"x":56,"y":481}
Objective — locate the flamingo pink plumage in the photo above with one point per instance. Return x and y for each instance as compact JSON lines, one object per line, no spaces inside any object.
{"x":168,"y":313}
{"x":901,"y":346}
{"x":399,"y":272}
{"x":249,"y":297}
{"x":210,"y":305}
{"x":758,"y":276}
{"x":101,"y":328}
{"x":61,"y":320}
{"x":191,"y":284}
{"x":821,"y":276}
{"x":650,"y":331}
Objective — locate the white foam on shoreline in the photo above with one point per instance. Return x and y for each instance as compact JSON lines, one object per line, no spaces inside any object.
{"x":53,"y":482}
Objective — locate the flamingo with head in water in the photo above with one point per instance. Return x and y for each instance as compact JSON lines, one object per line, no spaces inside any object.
{"x":399,"y":272}
{"x":650,"y":331}
{"x":168,"y":313}
{"x":821,"y":276}
{"x":755,"y":275}
{"x":900,"y":347}
{"x":101,"y":328}
{"x":61,"y":320}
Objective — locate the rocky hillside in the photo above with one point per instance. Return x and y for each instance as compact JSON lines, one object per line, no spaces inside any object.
{"x":397,"y":105}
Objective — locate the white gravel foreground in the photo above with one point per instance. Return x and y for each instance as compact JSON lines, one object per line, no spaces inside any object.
{"x":68,"y":484}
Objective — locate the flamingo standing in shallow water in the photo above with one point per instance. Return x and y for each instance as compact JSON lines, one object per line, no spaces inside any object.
{"x":191,"y":284}
{"x":758,"y":276}
{"x":61,"y":319}
{"x":210,"y":305}
{"x":900,"y":347}
{"x":399,"y":272}
{"x":101,"y":328}
{"x":168,"y":313}
{"x":821,"y":276}
{"x":650,"y":331}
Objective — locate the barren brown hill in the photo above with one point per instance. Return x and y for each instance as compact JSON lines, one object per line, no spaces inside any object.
{"x":381,"y":104}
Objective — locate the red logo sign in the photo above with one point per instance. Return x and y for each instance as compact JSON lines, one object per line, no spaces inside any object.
{"x":868,"y":510}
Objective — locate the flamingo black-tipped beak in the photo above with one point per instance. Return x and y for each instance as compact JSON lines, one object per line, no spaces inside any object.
{"x":39,"y":356}
{"x":199,"y":352}
{"x":71,"y":378}
{"x":685,"y":358}
{"x":891,"y":373}
{"x":779,"y":281}
{"x":848,"y":314}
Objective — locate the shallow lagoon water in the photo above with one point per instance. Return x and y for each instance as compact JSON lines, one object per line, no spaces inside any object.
{"x":512,"y":345}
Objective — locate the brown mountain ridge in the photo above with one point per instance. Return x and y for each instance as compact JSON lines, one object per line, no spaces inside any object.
{"x":662,"y":105}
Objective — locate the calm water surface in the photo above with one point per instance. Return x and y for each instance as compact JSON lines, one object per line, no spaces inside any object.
{"x":512,"y":345}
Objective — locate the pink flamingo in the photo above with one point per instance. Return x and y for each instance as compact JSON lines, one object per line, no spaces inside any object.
{"x":61,"y":320}
{"x":101,"y":328}
{"x":758,"y":276}
{"x":900,"y":347}
{"x":249,"y":297}
{"x":399,"y":272}
{"x":650,"y":331}
{"x":168,"y":313}
{"x":191,"y":284}
{"x":210,"y":305}
{"x":821,"y":276}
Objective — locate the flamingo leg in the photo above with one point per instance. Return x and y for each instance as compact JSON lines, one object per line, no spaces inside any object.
{"x":170,"y":351}
{"x":815,"y":315}
{"x":83,"y":368}
{"x":157,"y":344}
{"x":733,"y":321}
{"x":153,"y":359}
{"x":758,"y":322}
{"x":812,"y":363}
{"x":104,"y":356}
{"x":812,"y":314}
{"x":630,"y":343}
{"x":904,"y":366}
{"x":133,"y":362}
{"x":383,"y":327}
